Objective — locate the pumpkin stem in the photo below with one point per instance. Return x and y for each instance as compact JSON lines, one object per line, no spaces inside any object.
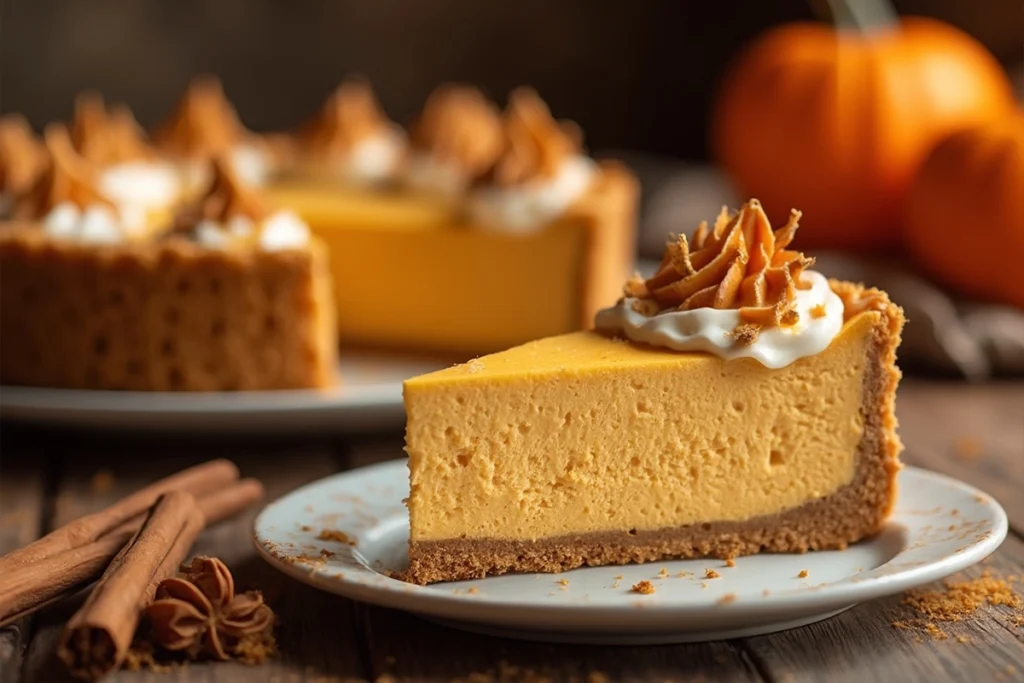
{"x":861,"y":15}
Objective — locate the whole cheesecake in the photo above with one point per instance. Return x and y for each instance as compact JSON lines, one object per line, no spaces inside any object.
{"x":734,"y":403}
{"x":486,"y":231}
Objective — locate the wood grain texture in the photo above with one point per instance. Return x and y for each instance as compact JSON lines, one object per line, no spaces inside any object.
{"x":972,"y":433}
{"x":863,"y":645}
{"x":407,"y":648}
{"x":22,"y":506}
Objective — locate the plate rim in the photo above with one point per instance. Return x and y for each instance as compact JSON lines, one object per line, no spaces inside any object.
{"x":353,"y":405}
{"x":657,"y":615}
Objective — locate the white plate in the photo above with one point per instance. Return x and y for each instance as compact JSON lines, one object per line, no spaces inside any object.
{"x":369,"y":397}
{"x":761,"y":594}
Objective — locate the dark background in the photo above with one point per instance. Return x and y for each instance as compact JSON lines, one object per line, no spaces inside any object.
{"x":636,"y":74}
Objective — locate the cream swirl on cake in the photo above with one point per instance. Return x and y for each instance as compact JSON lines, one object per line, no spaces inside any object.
{"x":456,"y":138}
{"x":539,"y":175}
{"x":736,"y":292}
{"x":230,"y":214}
{"x":351,"y":140}
{"x":67,"y":202}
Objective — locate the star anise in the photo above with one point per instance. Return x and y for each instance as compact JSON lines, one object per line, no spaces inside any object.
{"x":199,"y":613}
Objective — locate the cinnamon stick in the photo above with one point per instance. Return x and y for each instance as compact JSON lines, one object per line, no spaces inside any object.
{"x":97,"y":637}
{"x":201,"y":479}
{"x":29,"y":588}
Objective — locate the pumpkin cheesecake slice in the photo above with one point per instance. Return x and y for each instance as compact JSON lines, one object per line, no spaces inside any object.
{"x":736,"y":402}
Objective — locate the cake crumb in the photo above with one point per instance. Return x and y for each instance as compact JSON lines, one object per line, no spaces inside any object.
{"x":711,"y":574}
{"x":730,"y":562}
{"x":564,"y":584}
{"x":803,"y":574}
{"x":474,"y":366}
{"x":663,"y":573}
{"x":766,"y":592}
{"x":335,"y":535}
{"x":818,"y":311}
{"x":746,"y":334}
{"x":305,"y":527}
{"x":644,"y":587}
{"x":727,"y":598}
{"x":963,"y":639}
{"x":703,"y":584}
{"x":954,"y":512}
{"x":618,"y":577}
{"x":968,"y":448}
{"x":472,"y":590}
{"x":959,"y":599}
{"x":683,"y":575}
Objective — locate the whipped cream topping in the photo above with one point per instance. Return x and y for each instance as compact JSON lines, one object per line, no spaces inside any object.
{"x":141,"y":183}
{"x":253,"y":163}
{"x":376,"y":158}
{"x":529,"y":206}
{"x":279,"y":231}
{"x":712,"y":330}
{"x":92,"y":224}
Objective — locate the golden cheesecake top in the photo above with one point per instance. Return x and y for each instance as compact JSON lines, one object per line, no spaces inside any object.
{"x":203,"y":124}
{"x":66,"y":178}
{"x":459,"y":126}
{"x":22,"y":157}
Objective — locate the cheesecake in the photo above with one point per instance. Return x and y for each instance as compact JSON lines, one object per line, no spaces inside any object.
{"x":735,"y":402}
{"x":477,"y":231}
{"x":224,"y":294}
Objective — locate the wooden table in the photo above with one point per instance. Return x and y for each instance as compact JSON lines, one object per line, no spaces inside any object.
{"x":47,"y":477}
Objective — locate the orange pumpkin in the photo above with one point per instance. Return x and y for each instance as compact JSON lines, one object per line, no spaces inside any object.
{"x":965,"y":212}
{"x":836,"y":122}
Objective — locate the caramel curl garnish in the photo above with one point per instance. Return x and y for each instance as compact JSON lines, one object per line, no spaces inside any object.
{"x":350,"y":115}
{"x":66,"y":177}
{"x":536,"y":144}
{"x":459,"y":126}
{"x":203,"y":124}
{"x":741,"y":264}
{"x":22,"y":156}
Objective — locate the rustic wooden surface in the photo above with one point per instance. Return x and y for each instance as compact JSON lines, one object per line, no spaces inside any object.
{"x":47,"y":476}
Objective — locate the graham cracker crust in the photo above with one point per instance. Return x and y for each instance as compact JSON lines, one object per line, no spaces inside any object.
{"x":855,"y":511}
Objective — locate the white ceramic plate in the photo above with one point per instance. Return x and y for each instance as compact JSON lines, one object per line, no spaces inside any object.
{"x":369,"y":397}
{"x":940,"y":526}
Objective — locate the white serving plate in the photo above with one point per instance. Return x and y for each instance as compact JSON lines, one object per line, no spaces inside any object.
{"x":761,"y":594}
{"x":369,"y":397}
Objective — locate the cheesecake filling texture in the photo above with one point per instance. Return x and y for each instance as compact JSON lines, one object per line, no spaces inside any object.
{"x":735,"y":290}
{"x":540,"y":453}
{"x":820,"y":317}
